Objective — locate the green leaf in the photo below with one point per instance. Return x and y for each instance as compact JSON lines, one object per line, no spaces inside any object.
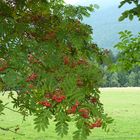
{"x":1,"y":107}
{"x":42,"y":120}
{"x":131,"y":16}
{"x":96,"y":6}
{"x":121,"y":18}
{"x":61,"y":128}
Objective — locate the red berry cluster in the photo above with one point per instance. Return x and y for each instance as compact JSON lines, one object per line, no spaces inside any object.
{"x":59,"y":98}
{"x":82,"y":62}
{"x":66,"y":60}
{"x":84,"y":113}
{"x":45,"y":103}
{"x":73,"y":64}
{"x":49,"y":36}
{"x":93,"y":100}
{"x":3,"y":64}
{"x":32,"y":77}
{"x":57,"y":95}
{"x":98,"y":123}
{"x":73,"y":109}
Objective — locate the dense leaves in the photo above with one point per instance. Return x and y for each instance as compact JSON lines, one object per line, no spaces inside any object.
{"x":48,"y":58}
{"x":130,"y":50}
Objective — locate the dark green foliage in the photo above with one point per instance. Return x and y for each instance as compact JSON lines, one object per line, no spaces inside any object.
{"x":122,"y":79}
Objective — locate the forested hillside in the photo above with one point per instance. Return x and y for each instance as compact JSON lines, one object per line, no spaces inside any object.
{"x":106,"y":25}
{"x":129,"y":78}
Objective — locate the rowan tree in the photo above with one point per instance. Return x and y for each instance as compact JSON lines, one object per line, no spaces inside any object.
{"x":48,"y":57}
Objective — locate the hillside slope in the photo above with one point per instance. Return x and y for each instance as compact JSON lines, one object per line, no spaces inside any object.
{"x":106,"y":26}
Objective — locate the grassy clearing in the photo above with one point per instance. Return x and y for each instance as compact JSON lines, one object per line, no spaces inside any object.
{"x":123,"y":104}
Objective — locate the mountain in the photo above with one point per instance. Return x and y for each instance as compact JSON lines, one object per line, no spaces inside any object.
{"x":106,"y":26}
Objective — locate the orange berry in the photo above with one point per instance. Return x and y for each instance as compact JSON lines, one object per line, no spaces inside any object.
{"x":66,"y":60}
{"x":98,"y":123}
{"x":32,"y":77}
{"x":45,"y":103}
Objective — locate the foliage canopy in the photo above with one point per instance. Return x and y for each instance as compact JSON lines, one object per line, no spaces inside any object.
{"x":47,"y":56}
{"x":129,"y":46}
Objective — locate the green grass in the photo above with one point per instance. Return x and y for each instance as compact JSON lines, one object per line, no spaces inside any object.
{"x":123,"y":104}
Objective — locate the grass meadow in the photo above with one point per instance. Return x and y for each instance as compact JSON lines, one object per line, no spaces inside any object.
{"x":123,"y":104}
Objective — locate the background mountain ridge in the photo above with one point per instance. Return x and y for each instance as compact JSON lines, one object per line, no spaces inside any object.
{"x":106,"y":26}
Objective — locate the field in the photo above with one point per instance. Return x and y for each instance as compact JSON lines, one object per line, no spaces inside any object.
{"x":123,"y":104}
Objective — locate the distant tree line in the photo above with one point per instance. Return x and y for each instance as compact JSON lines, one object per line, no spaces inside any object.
{"x":129,"y":78}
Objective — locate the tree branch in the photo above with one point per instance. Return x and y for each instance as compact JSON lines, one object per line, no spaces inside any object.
{"x":12,"y":110}
{"x":8,"y":129}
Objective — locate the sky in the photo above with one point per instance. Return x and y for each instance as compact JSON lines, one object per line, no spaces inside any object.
{"x":101,"y":3}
